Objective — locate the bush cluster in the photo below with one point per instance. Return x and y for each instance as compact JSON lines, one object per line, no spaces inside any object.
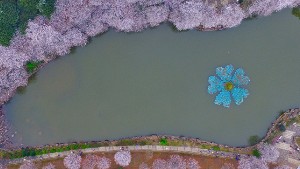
{"x":26,"y":152}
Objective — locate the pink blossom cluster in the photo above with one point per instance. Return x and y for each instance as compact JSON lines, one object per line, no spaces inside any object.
{"x":283,"y":167}
{"x":123,"y":158}
{"x":266,"y":7}
{"x":269,"y":153}
{"x":251,"y":163}
{"x":72,"y":161}
{"x":176,"y":162}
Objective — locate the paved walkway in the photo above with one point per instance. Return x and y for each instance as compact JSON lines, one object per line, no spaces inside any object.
{"x":288,"y":134}
{"x":294,"y":162}
{"x":283,"y":146}
{"x":175,"y":149}
{"x":288,"y":153}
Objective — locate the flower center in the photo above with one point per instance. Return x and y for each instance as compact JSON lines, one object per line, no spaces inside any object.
{"x":229,"y":86}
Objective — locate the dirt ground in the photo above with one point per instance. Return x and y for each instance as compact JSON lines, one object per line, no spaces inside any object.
{"x":147,"y":157}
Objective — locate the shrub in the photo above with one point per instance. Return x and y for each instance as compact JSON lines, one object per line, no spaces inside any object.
{"x":256,"y":153}
{"x":296,"y":12}
{"x":253,"y":140}
{"x":8,"y":20}
{"x":31,"y":66}
{"x":6,"y":34}
{"x":163,"y":142}
{"x":281,"y":127}
{"x":46,"y":7}
{"x":216,"y":148}
{"x":9,"y":13}
{"x":126,"y":142}
{"x":28,"y":5}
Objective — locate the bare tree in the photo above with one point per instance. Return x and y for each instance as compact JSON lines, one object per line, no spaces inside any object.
{"x":90,"y":161}
{"x":228,"y":166}
{"x":49,"y":166}
{"x":144,"y":166}
{"x":103,"y":163}
{"x":28,"y":165}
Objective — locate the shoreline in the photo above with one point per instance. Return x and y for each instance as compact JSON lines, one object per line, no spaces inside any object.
{"x":154,"y":147}
{"x":65,"y":32}
{"x":286,"y":118}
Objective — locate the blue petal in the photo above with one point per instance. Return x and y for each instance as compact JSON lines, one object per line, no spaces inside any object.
{"x":223,"y":98}
{"x":225,"y":73}
{"x":239,"y":77}
{"x":215,"y":84}
{"x":239,"y":94}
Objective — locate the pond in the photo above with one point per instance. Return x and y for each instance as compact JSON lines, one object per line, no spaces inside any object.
{"x":155,"y":82}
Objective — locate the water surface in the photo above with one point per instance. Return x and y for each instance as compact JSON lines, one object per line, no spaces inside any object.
{"x":123,"y":85}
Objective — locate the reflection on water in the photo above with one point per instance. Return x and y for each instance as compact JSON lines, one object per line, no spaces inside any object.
{"x":122,"y":85}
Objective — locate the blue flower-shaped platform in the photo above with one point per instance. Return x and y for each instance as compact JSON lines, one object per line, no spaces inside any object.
{"x":229,"y":85}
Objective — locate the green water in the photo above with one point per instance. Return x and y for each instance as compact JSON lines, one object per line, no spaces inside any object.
{"x":123,"y":85}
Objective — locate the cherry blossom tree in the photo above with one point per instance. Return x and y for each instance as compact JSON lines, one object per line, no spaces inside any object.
{"x":268,"y":152}
{"x":283,"y":167}
{"x":2,"y":166}
{"x":266,"y":7}
{"x":156,"y":14}
{"x":251,"y":163}
{"x":72,"y":161}
{"x":95,"y":24}
{"x":123,"y":158}
{"x":192,"y":164}
{"x":70,"y":13}
{"x":159,"y":163}
{"x":176,"y":162}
